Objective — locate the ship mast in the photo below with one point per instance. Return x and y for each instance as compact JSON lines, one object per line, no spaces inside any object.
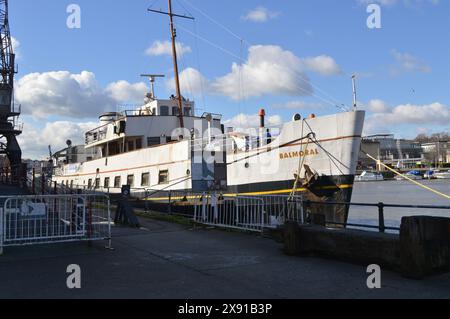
{"x":173,"y":34}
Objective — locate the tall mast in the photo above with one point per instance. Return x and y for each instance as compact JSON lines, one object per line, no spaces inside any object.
{"x":173,"y":34}
{"x":175,"y":66}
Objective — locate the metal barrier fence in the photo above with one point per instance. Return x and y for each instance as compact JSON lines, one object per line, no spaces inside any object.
{"x":252,"y":213}
{"x":32,"y":220}
{"x":381,"y":208}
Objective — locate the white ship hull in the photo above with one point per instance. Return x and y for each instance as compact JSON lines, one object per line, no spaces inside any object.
{"x":269,"y":169}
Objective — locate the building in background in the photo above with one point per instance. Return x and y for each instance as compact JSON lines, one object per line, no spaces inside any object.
{"x":437,"y":153}
{"x":400,"y":153}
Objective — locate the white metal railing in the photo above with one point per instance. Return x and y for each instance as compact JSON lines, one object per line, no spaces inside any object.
{"x":251,"y":213}
{"x":31,"y":220}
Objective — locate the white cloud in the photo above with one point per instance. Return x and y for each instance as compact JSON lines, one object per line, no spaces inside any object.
{"x":386,"y":118}
{"x":165,"y":48}
{"x":245,"y":122}
{"x":127,"y":92}
{"x":34,"y":142}
{"x":191,"y":81}
{"x":299,"y":105}
{"x":378,"y":106}
{"x":260,"y":15}
{"x":323,"y":64}
{"x":16,"y":46}
{"x":268,"y":70}
{"x":72,"y":95}
{"x":408,"y":63}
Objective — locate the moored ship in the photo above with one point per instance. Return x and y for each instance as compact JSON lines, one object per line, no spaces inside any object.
{"x":165,"y":146}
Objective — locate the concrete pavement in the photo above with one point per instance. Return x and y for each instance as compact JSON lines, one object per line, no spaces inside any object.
{"x":173,"y":261}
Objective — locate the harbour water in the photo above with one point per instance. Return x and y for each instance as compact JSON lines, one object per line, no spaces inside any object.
{"x":397,"y":192}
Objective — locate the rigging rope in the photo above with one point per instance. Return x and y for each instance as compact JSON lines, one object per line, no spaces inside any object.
{"x":336,"y":103}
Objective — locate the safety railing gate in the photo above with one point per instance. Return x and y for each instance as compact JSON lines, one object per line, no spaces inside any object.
{"x":253,"y":213}
{"x":32,"y":220}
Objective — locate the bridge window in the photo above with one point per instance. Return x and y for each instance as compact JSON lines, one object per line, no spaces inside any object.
{"x":106,"y":183}
{"x":97,"y":183}
{"x":152,"y":141}
{"x":164,"y":111}
{"x":187,"y":111}
{"x":145,"y":180}
{"x":130,"y":180}
{"x":138,"y":144}
{"x":163,"y":177}
{"x":175,"y":111}
{"x":117,"y":182}
{"x":90,"y":183}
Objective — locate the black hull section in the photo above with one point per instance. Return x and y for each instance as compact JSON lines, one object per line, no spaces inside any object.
{"x":327,"y":189}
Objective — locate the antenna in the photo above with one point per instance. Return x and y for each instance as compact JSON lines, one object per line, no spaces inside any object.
{"x":355,"y":103}
{"x":174,"y":53}
{"x":152,"y":78}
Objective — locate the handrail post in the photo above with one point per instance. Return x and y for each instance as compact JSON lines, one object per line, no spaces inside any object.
{"x":43,"y":184}
{"x":306,"y":206}
{"x":33,"y":186}
{"x":381,"y":223}
{"x":170,"y":203}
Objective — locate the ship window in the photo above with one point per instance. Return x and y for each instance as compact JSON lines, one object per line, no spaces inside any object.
{"x":117,"y":182}
{"x":90,"y":183}
{"x":71,"y":184}
{"x":97,"y":183}
{"x":152,"y":141}
{"x":175,"y":111}
{"x":164,"y":111}
{"x":106,"y":183}
{"x":145,"y":180}
{"x":154,"y":111}
{"x":130,"y":146}
{"x":130,"y":180}
{"x":163,"y":177}
{"x":187,"y":111}
{"x":138,"y":144}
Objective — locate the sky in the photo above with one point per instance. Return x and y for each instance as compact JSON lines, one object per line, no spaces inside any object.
{"x":291,"y":56}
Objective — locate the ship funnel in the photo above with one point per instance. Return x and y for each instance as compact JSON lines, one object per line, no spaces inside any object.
{"x":262,"y":117}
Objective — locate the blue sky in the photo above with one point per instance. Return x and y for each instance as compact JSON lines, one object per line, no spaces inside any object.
{"x":403,"y":67}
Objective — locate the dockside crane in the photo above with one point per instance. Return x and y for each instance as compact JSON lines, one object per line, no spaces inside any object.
{"x":8,"y":113}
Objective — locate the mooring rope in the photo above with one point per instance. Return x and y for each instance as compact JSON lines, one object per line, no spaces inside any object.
{"x":406,"y":177}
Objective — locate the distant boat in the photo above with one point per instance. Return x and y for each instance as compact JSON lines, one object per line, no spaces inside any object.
{"x":442,"y":175}
{"x":367,"y":176}
{"x":414,"y":175}
{"x":431,"y":174}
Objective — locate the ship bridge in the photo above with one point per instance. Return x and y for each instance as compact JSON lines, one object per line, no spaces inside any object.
{"x":156,"y":123}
